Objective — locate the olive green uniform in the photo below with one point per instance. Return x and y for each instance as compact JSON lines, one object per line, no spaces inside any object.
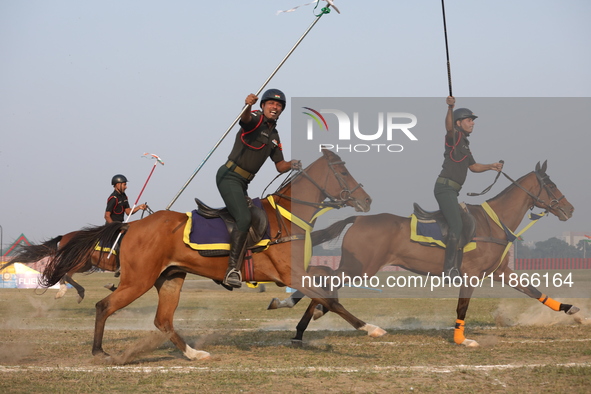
{"x":457,"y":159}
{"x":255,"y":142}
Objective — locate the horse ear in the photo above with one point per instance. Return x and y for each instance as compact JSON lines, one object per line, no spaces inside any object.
{"x":327,"y":153}
{"x":538,"y":167}
{"x":544,"y":166}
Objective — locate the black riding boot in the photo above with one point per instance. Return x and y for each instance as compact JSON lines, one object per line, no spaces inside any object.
{"x":233,"y":277}
{"x":453,"y":257}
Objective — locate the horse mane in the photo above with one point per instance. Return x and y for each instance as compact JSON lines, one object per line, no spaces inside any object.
{"x":80,"y":248}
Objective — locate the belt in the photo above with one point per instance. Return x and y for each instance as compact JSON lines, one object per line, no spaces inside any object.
{"x":445,"y":181}
{"x":239,"y":170}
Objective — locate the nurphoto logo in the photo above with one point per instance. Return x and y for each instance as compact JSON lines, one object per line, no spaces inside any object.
{"x":390,"y":125}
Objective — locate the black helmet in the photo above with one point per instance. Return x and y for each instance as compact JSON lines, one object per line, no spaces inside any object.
{"x":118,"y":179}
{"x":463,"y":113}
{"x":274,"y":94}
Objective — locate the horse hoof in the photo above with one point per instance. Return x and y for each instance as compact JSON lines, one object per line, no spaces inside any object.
{"x":470,"y":343}
{"x":194,"y":355}
{"x":373,"y":331}
{"x":572,"y":310}
{"x":378,"y":332}
{"x":297,"y":343}
{"x":80,"y":299}
{"x":318,"y":313}
{"x":102,"y":357}
{"x":274,"y":304}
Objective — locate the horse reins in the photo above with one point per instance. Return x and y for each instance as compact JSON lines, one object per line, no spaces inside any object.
{"x":345,"y":196}
{"x":543,"y":186}
{"x":490,"y":187}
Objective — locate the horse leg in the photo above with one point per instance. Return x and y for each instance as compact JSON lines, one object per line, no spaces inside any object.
{"x":532,"y":292}
{"x":303,"y":324}
{"x":169,"y":292}
{"x":329,"y":301}
{"x":334,"y":306}
{"x":63,"y":288}
{"x":462,"y":308}
{"x":120,"y":298}
{"x":297,"y":296}
{"x":76,"y":285}
{"x":289,"y":302}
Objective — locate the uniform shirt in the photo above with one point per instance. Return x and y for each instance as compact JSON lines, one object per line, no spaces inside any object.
{"x":255,"y":141}
{"x":117,"y":204}
{"x":457,"y":158}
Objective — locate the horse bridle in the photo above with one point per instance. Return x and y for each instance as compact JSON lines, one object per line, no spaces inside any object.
{"x":544,"y":182}
{"x":345,"y":196}
{"x":345,"y":193}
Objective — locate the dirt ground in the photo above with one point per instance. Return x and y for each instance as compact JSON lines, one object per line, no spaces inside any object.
{"x":524,"y":347}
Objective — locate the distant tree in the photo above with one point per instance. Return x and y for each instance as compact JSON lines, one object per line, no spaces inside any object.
{"x":555,"y":248}
{"x":584,"y":246}
{"x":522,"y":251}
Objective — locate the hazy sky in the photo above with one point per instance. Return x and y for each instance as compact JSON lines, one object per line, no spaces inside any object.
{"x":87,"y":87}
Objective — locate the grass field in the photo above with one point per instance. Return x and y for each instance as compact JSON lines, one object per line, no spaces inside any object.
{"x":45,"y":345}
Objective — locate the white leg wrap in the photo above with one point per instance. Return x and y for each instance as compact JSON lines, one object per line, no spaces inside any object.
{"x":373,"y":331}
{"x":193,"y":354}
{"x":62,"y":291}
{"x":469,"y":343}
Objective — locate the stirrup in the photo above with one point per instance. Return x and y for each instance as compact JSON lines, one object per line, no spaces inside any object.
{"x":451,"y":274}
{"x":230,"y":280}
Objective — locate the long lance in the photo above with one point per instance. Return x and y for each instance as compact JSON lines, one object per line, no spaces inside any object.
{"x":446,"y":48}
{"x":325,"y":10}
{"x":158,"y":161}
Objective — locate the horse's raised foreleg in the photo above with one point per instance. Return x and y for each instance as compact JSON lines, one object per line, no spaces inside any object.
{"x":169,"y":291}
{"x":532,"y":292}
{"x":461,"y":310}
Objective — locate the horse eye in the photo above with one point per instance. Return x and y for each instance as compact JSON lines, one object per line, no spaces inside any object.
{"x":344,"y":173}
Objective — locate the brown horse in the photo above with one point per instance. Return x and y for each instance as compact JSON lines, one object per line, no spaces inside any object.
{"x":153,"y":253}
{"x":33,"y":253}
{"x":375,"y":241}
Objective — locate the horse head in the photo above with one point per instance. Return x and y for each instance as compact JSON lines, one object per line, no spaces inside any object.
{"x":333,"y":184}
{"x":549,"y":197}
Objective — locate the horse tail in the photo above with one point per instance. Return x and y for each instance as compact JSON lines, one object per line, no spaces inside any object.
{"x":79,"y":249}
{"x":33,"y":253}
{"x":331,"y":232}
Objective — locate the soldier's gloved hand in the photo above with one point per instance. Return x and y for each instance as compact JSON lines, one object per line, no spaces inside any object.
{"x":296,"y":165}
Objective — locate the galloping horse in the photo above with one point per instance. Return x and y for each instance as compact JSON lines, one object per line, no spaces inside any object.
{"x":375,"y":241}
{"x":33,"y":253}
{"x":153,"y":252}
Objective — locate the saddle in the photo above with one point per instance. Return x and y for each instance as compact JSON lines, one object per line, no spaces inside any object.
{"x":256,"y":232}
{"x":469,"y":223}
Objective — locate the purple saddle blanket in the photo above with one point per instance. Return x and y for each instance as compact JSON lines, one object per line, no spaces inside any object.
{"x":212,"y":234}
